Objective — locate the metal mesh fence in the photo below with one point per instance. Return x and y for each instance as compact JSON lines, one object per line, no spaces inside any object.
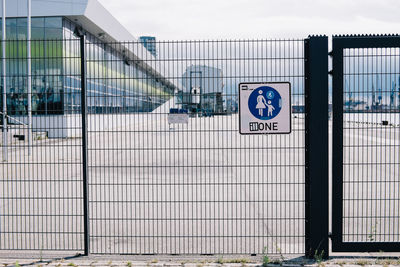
{"x":371,"y":148}
{"x":169,"y":172}
{"x":40,"y":180}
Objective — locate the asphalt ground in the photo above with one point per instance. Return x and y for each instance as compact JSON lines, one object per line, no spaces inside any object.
{"x":200,"y":188}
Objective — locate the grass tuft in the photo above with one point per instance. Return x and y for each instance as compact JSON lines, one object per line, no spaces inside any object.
{"x":265,"y":259}
{"x":220,"y":260}
{"x":362,"y":262}
{"x":318,"y":257}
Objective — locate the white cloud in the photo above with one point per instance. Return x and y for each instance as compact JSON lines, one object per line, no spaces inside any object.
{"x":216,"y":19}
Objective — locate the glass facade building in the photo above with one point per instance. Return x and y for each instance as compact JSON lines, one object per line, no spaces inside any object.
{"x":115,"y":82}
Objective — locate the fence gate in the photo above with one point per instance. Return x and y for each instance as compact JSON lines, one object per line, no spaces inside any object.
{"x":366,"y":143}
{"x":169,"y":171}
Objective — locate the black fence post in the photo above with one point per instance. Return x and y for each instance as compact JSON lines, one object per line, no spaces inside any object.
{"x":82,"y":42}
{"x":337,"y":142}
{"x":316,"y":141}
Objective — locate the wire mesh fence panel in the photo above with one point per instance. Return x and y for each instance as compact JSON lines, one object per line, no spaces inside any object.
{"x":40,"y":178}
{"x":169,"y":172}
{"x":371,"y":145}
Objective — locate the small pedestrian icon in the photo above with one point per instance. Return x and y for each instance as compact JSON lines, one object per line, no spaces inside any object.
{"x":265,"y":103}
{"x":270,"y":108}
{"x":261,"y":103}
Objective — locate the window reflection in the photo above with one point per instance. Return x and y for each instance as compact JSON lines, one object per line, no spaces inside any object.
{"x":113,"y":85}
{"x":46,"y":87}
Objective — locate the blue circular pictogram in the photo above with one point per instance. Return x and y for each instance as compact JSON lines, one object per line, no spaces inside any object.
{"x":270,"y":94}
{"x":265,"y":103}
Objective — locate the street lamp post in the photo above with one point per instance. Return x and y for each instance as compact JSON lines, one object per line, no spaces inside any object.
{"x":3,"y":41}
{"x":29,"y":78}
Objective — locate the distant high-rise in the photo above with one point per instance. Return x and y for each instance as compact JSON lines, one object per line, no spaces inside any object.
{"x":149,"y":42}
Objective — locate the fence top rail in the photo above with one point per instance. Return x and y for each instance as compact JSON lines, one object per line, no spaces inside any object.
{"x":42,"y":40}
{"x":340,"y":42}
{"x":166,"y":41}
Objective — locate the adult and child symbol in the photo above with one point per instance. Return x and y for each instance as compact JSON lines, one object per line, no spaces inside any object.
{"x":262,"y":98}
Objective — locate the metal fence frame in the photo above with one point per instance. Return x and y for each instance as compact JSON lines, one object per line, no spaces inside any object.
{"x":316,"y":166}
{"x":316,"y":187}
{"x":316,"y":197}
{"x":38,"y":192}
{"x":85,"y":180}
{"x":339,"y":44}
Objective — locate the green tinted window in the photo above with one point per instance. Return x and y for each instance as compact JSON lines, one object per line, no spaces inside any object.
{"x":37,"y":33}
{"x":11,"y":22}
{"x":22,"y":22}
{"x":21,"y":35}
{"x":55,"y":22}
{"x":38,"y":22}
{"x":11,"y":33}
{"x":52,"y":34}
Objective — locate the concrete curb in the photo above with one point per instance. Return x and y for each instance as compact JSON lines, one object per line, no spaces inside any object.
{"x":154,"y":263}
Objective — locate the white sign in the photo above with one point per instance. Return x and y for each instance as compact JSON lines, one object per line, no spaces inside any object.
{"x":264,"y":108}
{"x":180,"y":118}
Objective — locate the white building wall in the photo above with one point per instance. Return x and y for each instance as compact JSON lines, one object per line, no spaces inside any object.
{"x":69,"y":126}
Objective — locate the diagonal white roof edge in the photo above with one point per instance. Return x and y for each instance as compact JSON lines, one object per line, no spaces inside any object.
{"x":87,"y":10}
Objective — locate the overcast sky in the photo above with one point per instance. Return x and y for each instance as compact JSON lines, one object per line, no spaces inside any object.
{"x":236,"y":19}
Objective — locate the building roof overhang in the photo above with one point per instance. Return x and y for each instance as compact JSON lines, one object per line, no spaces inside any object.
{"x":95,"y":19}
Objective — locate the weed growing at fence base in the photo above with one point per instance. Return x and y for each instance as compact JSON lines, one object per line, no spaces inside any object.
{"x":265,"y":258}
{"x":362,"y":262}
{"x":318,"y":257}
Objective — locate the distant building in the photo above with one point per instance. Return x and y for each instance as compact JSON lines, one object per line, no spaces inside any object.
{"x":202,"y":90}
{"x":149,"y":42}
{"x":298,"y":109}
{"x":231,"y":105}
